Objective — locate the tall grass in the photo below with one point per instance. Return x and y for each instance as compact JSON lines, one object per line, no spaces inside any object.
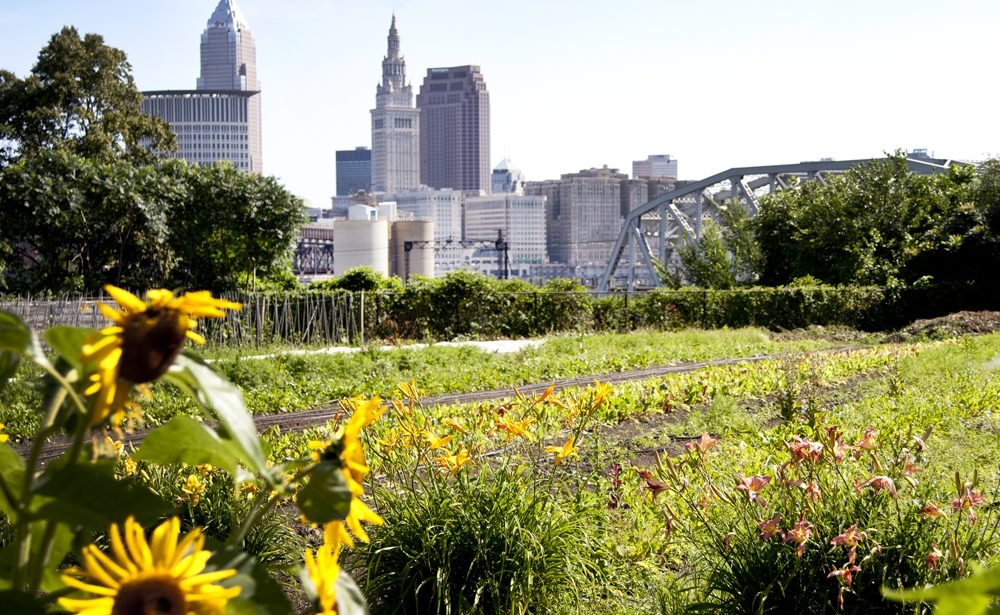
{"x":493,"y":543}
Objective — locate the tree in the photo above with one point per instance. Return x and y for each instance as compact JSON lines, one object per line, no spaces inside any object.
{"x":79,"y":97}
{"x":726,"y":256}
{"x":232,"y":227}
{"x":73,"y":224}
{"x":867,"y":226}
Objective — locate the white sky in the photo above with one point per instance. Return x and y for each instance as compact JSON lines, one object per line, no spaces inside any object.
{"x":580,"y":84}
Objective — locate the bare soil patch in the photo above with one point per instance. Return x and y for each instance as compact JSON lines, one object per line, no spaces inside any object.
{"x":953,"y":325}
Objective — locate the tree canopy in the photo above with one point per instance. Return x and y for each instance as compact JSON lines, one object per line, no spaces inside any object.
{"x":83,"y":202}
{"x":80,"y":98}
{"x":73,"y":223}
{"x":877,"y":223}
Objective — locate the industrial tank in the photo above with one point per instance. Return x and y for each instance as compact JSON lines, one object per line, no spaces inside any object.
{"x":419,"y":259}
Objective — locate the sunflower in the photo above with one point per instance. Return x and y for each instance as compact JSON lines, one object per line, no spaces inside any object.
{"x":345,"y":448}
{"x":142,"y":344}
{"x":164,"y":576}
{"x":322,"y":570}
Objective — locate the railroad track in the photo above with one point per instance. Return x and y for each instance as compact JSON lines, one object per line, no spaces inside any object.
{"x":299,"y":421}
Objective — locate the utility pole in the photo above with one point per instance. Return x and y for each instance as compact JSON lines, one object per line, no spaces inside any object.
{"x":503,"y":262}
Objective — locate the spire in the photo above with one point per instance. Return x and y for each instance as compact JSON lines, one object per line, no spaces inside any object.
{"x":227,"y":15}
{"x":393,"y":65}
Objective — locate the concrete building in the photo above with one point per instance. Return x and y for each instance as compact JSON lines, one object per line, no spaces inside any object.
{"x":507,"y":178}
{"x":522,"y":220}
{"x":657,"y":165}
{"x":220,"y":119}
{"x":583,"y":214}
{"x":395,"y":125}
{"x":354,"y":171}
{"x":455,"y":129}
{"x":211,"y":126}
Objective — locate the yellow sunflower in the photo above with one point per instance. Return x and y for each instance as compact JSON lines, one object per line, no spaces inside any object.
{"x":142,"y":344}
{"x":164,"y":576}
{"x":323,"y":568}
{"x":346,"y":449}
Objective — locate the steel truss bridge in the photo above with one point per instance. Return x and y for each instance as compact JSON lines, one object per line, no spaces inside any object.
{"x":314,"y":252}
{"x":652,"y":232}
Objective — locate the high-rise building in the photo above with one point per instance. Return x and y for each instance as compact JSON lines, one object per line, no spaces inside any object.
{"x":522,"y":220}
{"x":220,"y":119}
{"x":507,"y":178}
{"x":455,"y":129}
{"x":657,"y":165}
{"x":582,"y":214}
{"x":211,"y":126}
{"x":354,"y":171}
{"x":395,"y":157}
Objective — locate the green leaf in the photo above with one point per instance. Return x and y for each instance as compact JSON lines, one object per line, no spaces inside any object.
{"x":8,"y":365}
{"x":14,"y":334}
{"x":254,"y":581}
{"x":325,"y":497}
{"x":12,"y":601}
{"x":17,"y":338}
{"x":12,"y":473}
{"x":221,"y":396}
{"x":90,"y":495}
{"x":68,"y":342}
{"x":350,"y":600}
{"x":185,"y":440}
{"x":972,"y":604}
{"x":985,"y":582}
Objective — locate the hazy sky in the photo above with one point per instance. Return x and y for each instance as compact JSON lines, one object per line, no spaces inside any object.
{"x":580,"y":84}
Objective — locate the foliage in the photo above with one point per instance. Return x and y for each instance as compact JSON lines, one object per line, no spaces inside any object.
{"x":73,"y":224}
{"x":727,"y":254}
{"x":865,"y":226}
{"x":80,"y":98}
{"x":825,"y":523}
{"x":53,"y":509}
{"x":230,"y":224}
{"x":466,"y":537}
{"x":493,"y":543}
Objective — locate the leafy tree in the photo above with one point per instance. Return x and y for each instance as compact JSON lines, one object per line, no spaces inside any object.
{"x":79,"y":97}
{"x":231,"y":226}
{"x":72,"y":224}
{"x":727,"y":255}
{"x":866,"y":226}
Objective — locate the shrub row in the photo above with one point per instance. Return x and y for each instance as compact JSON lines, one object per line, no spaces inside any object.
{"x":470,"y":305}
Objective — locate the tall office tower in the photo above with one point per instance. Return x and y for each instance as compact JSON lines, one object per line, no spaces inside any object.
{"x":455,"y":129}
{"x":657,"y":165}
{"x":354,"y":171}
{"x":507,"y":178}
{"x":395,"y":125}
{"x":220,"y":119}
{"x":582,"y":214}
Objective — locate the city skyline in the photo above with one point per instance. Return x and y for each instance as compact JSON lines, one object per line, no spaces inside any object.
{"x":575,"y":85}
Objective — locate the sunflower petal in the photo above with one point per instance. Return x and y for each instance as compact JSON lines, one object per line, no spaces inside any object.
{"x":126,"y":299}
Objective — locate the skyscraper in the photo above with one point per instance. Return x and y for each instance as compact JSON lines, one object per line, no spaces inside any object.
{"x":395,"y":125}
{"x":354,"y":171}
{"x":455,"y":129}
{"x":220,"y":120}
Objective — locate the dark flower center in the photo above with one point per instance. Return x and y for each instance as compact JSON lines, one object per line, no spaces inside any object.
{"x":150,"y":342}
{"x":159,"y":595}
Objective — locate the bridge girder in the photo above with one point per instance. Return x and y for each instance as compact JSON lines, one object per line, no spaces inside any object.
{"x":679,"y":215}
